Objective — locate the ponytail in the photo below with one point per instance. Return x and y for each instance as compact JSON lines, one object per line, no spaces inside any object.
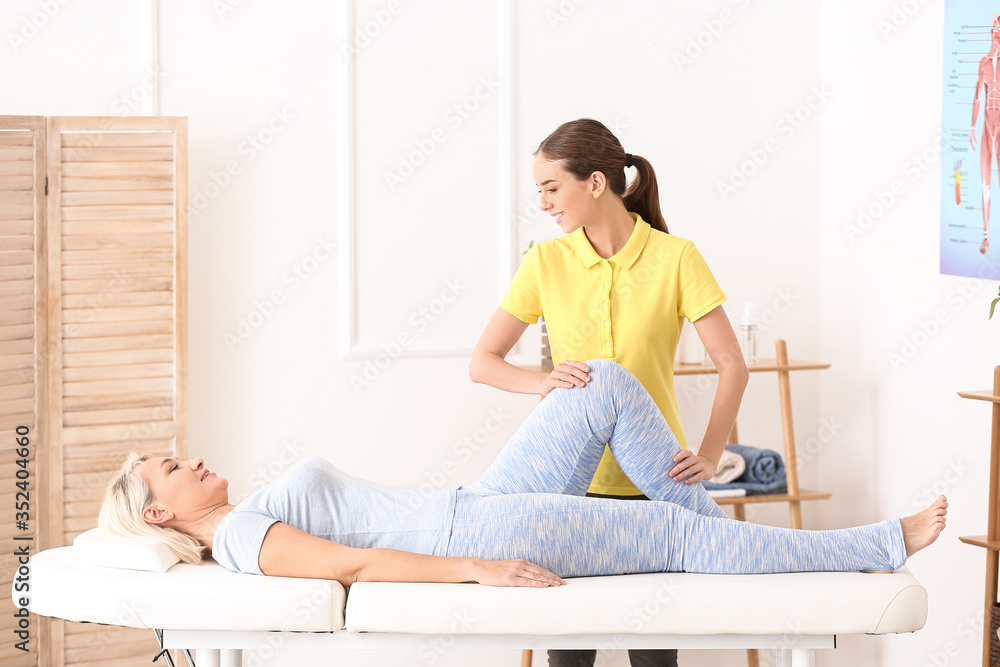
{"x":643,"y":196}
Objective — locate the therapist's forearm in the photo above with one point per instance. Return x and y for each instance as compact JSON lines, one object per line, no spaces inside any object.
{"x":489,"y":368}
{"x":732,"y":381}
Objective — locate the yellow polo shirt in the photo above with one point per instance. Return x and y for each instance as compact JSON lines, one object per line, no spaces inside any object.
{"x":628,"y":308}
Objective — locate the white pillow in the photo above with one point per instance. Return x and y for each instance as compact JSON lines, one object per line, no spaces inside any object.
{"x":99,"y":547}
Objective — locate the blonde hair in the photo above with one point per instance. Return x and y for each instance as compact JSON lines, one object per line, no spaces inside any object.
{"x":125,"y":499}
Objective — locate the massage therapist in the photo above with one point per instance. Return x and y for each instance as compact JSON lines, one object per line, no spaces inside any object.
{"x":615,"y":286}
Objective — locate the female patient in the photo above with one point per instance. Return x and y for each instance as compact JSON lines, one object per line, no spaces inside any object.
{"x":525,"y":522}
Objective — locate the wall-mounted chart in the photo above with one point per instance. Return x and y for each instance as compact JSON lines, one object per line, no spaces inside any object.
{"x":970,"y":120}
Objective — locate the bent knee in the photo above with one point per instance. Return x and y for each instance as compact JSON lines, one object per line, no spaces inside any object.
{"x":607,"y":366}
{"x":602,"y":363}
{"x":608,"y":371}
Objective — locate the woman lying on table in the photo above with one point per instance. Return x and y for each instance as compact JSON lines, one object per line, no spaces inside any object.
{"x":525,"y":522}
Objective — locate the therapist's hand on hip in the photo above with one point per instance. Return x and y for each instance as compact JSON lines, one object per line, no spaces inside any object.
{"x":566,"y":375}
{"x":691,"y":468}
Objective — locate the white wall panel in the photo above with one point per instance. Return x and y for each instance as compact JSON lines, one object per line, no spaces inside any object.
{"x":429,"y":234}
{"x":67,"y":58}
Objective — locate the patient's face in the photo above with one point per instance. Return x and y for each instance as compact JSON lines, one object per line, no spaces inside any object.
{"x":184,"y":487}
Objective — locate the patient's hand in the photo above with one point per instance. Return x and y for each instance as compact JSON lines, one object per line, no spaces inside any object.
{"x":516,"y":572}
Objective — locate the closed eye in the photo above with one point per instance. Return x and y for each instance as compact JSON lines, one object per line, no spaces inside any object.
{"x":172,"y":467}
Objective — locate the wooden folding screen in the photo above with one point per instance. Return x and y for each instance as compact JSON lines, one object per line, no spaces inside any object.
{"x":22,"y":336}
{"x":99,"y":229}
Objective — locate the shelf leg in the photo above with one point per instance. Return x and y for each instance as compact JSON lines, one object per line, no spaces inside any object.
{"x":788,"y":431}
{"x":993,"y":525}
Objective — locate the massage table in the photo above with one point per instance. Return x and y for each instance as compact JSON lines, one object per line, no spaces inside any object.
{"x":219,"y":614}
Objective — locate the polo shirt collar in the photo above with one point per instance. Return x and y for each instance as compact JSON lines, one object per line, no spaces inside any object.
{"x":625,"y":257}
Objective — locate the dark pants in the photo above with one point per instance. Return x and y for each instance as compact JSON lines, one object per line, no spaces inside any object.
{"x":637,"y":657}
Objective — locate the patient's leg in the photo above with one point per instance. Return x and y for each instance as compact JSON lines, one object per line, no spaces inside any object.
{"x":575,"y":536}
{"x":558,"y":447}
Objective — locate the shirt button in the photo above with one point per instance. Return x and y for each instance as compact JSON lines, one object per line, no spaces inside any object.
{"x":607,"y":284}
{"x":608,"y":343}
{"x":605,"y":324}
{"x":605,"y":303}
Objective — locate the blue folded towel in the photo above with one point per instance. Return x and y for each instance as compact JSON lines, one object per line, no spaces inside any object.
{"x":765,"y":472}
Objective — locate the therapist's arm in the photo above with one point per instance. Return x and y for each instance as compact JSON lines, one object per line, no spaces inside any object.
{"x":289,"y":552}
{"x":488,"y":364}
{"x":720,"y":341}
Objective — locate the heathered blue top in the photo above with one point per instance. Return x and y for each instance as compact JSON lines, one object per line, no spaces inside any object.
{"x":315,"y":497}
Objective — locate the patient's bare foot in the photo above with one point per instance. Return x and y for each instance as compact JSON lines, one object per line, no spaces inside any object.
{"x":922,"y":528}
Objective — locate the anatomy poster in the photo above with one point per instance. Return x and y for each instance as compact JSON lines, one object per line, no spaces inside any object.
{"x":970,"y":158}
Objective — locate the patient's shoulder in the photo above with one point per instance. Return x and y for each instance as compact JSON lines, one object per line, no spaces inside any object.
{"x":307,"y":472}
{"x":314,"y":462}
{"x":310,"y":469}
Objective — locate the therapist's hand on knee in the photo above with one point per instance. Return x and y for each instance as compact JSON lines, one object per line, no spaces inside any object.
{"x":566,"y":375}
{"x":691,"y":468}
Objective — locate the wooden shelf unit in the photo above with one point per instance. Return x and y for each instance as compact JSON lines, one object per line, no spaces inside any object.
{"x":990,"y":541}
{"x":781,"y":365}
{"x":762,"y":366}
{"x":981,"y":541}
{"x":803,"y":494}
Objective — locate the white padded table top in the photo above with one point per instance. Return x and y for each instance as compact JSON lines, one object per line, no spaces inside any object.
{"x":808,"y":603}
{"x":206,"y":596}
{"x":209,"y":597}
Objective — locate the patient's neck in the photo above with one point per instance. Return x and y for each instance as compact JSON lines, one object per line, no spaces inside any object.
{"x":203,"y":528}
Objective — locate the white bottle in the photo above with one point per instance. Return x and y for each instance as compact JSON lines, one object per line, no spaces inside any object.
{"x":749,"y":329}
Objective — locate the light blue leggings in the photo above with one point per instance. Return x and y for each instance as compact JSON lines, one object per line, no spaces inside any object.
{"x":530,"y":503}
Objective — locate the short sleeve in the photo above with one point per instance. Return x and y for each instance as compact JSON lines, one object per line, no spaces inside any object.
{"x":238,"y":539}
{"x":698,"y":293}
{"x":524,"y":299}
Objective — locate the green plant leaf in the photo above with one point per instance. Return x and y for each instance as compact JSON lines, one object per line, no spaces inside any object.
{"x":993,"y":305}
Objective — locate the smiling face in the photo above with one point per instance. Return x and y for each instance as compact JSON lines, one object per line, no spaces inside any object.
{"x":570,"y":201}
{"x":181,"y":489}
